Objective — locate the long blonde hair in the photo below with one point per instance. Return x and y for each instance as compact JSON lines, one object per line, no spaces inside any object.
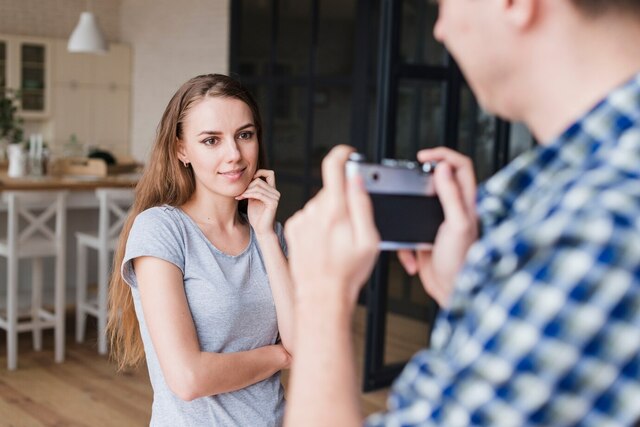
{"x":164,"y":181}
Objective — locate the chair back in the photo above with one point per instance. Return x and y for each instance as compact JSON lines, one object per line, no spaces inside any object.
{"x":114,"y":207}
{"x":35,"y":214}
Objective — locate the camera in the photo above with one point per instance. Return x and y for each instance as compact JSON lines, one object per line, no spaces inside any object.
{"x":407,"y":211}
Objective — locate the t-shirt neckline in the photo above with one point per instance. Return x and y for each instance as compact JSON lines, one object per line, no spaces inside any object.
{"x":204,"y":237}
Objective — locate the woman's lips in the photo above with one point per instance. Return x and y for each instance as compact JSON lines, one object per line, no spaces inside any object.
{"x":233,"y":175}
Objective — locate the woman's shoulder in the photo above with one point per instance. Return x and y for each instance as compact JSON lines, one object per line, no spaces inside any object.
{"x":157,"y":213}
{"x":158,"y":217}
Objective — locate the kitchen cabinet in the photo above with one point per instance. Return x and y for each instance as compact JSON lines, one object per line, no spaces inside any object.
{"x":92,"y":98}
{"x":25,"y":66}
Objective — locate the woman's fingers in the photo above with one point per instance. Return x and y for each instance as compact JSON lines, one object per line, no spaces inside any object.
{"x":259,"y":183}
{"x":267,"y":174}
{"x":260,"y":194}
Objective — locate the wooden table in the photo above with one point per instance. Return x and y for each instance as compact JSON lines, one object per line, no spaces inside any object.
{"x":72,"y":183}
{"x":81,"y":188}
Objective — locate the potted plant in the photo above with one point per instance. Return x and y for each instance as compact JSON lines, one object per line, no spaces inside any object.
{"x":11,"y":133}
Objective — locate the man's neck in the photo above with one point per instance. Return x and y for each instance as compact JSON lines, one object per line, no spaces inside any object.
{"x":574,"y":76}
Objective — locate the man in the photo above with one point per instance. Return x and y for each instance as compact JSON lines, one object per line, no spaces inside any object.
{"x":540,"y":320}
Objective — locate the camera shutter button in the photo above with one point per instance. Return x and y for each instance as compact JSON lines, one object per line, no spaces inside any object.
{"x":356,"y":157}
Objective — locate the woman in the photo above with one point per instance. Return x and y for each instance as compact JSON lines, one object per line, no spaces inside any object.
{"x":204,"y":292}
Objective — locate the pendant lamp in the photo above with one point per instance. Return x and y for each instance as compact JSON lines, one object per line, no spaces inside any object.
{"x":87,"y":36}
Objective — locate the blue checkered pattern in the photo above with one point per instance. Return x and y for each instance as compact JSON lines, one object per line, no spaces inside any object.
{"x":544,"y":326}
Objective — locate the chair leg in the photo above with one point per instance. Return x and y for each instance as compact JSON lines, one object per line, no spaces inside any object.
{"x":59,"y":303}
{"x":103,"y":284}
{"x":81,"y":291}
{"x":12,"y":312}
{"x":36,"y":302}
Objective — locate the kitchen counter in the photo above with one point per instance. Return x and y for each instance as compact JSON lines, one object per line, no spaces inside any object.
{"x":81,"y":188}
{"x":71,"y":183}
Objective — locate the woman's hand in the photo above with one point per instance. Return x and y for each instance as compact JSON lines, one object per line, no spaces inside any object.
{"x":455,"y":185}
{"x":263,"y":201}
{"x":286,"y":357}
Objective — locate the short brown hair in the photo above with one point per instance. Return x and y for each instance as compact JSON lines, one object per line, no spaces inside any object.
{"x":595,"y":7}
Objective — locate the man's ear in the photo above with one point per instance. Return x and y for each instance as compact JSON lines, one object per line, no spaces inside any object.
{"x":521,"y":13}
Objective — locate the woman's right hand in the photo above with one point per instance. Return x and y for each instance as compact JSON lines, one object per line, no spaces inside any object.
{"x":455,"y":185}
{"x":284,"y":355}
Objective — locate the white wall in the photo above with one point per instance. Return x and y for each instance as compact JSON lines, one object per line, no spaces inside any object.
{"x":172,"y":41}
{"x":56,"y":18}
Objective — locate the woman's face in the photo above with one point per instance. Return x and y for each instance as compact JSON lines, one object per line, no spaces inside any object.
{"x":220,"y":142}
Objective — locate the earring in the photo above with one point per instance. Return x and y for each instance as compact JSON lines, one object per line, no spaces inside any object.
{"x":185,"y":163}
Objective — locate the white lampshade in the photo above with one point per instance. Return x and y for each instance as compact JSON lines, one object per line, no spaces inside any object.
{"x":87,"y":36}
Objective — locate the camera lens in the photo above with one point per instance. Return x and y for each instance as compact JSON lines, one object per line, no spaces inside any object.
{"x":375,"y":176}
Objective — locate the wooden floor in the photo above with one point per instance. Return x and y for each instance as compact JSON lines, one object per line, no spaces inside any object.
{"x":85,"y":390}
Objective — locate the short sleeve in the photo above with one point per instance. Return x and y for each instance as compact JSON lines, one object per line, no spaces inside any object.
{"x":156,"y":233}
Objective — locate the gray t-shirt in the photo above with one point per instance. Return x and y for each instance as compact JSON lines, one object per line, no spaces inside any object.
{"x":232,"y":308}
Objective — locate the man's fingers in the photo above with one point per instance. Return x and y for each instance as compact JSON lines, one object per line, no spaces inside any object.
{"x":361,"y":213}
{"x":408,"y":261}
{"x":462,"y":169}
{"x":453,"y":205}
{"x":333,"y":174}
{"x":438,"y":154}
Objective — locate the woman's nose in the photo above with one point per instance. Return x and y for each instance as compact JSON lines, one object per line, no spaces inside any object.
{"x":231,"y":150}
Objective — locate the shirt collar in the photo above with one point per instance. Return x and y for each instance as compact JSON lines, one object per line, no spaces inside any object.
{"x":585,"y":141}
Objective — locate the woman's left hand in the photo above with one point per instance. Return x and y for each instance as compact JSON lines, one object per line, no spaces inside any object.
{"x":263,"y":201}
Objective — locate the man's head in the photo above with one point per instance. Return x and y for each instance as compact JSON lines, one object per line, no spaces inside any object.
{"x":517,"y":55}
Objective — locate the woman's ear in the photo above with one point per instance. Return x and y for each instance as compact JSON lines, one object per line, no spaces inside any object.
{"x":182,"y":152}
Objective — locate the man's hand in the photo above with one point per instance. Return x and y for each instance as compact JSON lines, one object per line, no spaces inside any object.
{"x":333,"y":241}
{"x":455,"y":185}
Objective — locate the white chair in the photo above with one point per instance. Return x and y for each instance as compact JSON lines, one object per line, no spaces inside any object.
{"x":29,"y":235}
{"x":113,"y":207}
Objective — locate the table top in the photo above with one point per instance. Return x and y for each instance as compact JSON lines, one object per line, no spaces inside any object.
{"x":71,"y":183}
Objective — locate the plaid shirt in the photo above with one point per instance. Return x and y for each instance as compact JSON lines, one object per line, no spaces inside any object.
{"x":544,"y":325}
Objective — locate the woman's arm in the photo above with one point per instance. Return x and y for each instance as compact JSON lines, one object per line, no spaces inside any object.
{"x":188,"y":371}
{"x":281,"y":285}
{"x":263,"y":201}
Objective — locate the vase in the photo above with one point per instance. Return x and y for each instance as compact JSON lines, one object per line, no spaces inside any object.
{"x":17,"y":160}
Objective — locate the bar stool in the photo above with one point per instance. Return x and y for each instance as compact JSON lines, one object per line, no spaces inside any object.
{"x":114,"y":204}
{"x":30,"y":236}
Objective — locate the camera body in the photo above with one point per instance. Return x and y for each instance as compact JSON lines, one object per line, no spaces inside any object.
{"x":407,"y":211}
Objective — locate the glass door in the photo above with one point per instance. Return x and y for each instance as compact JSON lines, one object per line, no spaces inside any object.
{"x":369,"y":74}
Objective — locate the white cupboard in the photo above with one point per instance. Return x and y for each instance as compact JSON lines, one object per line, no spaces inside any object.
{"x":92,"y":98}
{"x":25,"y":66}
{"x":65,"y":94}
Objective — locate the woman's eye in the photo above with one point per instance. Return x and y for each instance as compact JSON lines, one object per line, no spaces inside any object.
{"x":245,"y":135}
{"x":210,"y":141}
